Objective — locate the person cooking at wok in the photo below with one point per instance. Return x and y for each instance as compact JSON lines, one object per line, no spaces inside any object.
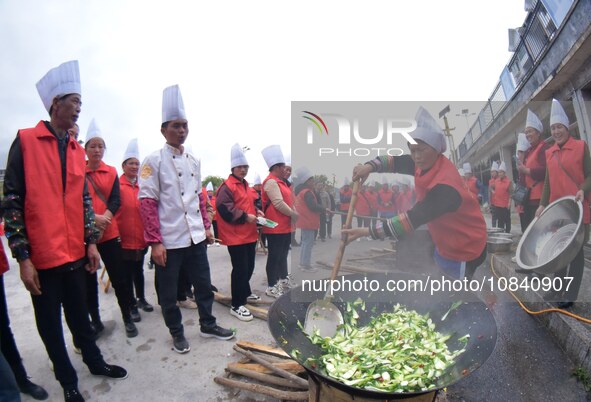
{"x":444,"y":203}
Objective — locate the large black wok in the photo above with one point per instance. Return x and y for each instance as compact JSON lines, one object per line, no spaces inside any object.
{"x":472,"y":317}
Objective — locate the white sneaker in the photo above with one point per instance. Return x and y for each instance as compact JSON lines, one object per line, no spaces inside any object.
{"x":242,"y":313}
{"x":253,"y":297}
{"x":187,"y":303}
{"x":287,"y":282}
{"x":275,"y":291}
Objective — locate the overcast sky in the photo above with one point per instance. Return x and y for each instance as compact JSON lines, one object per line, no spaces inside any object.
{"x":240,"y":63}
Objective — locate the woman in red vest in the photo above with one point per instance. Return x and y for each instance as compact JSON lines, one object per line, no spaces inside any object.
{"x":131,"y":228}
{"x":238,"y":230}
{"x":103,"y":186}
{"x":450,"y":211}
{"x":568,"y":172}
{"x":502,"y":188}
{"x":533,"y":170}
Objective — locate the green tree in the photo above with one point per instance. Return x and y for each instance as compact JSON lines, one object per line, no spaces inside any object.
{"x":215,"y":180}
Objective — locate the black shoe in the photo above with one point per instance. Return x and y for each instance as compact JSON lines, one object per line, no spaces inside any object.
{"x":73,"y":395}
{"x":565,"y":305}
{"x":217,"y":332}
{"x":135,"y":314}
{"x":109,"y":370}
{"x":30,"y":388}
{"x":130,"y":329}
{"x":98,"y":327}
{"x":180,"y":344}
{"x":144,"y":305}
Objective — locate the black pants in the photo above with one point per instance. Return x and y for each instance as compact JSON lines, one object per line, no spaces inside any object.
{"x":65,"y":289}
{"x":137,"y":271}
{"x":242,"y":257}
{"x":215,"y":229}
{"x":322,"y":228}
{"x":184,"y":287}
{"x":329,"y":225}
{"x":363,"y":222}
{"x":522,"y":222}
{"x":194,"y":260}
{"x":278,"y":246}
{"x":120,"y":275}
{"x":495,"y":219}
{"x":92,"y":296}
{"x":574,"y":270}
{"x":504,"y":217}
{"x":7,"y":343}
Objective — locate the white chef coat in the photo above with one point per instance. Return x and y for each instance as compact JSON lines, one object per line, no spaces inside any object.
{"x":174,"y":180}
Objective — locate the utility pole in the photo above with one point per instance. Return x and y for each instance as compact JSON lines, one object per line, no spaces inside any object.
{"x":447,"y":131}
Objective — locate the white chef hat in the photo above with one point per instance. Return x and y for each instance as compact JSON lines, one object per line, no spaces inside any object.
{"x":558,"y":115}
{"x":257,"y":179}
{"x":132,"y":150}
{"x":533,"y":121}
{"x":59,"y":81}
{"x":502,"y":167}
{"x":288,"y":159}
{"x":428,"y":131}
{"x":461,"y":172}
{"x":93,"y":131}
{"x":173,"y":107}
{"x":237,"y":157}
{"x":209,"y":187}
{"x":494,"y":167}
{"x":302,"y":174}
{"x":522,"y":142}
{"x":467,"y":168}
{"x":273,"y":155}
{"x":346,"y":181}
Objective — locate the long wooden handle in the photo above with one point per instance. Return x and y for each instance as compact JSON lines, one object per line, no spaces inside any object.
{"x":341,"y":252}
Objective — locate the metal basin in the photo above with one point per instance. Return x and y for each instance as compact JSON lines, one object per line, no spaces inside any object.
{"x":498,"y":244}
{"x":553,"y":239}
{"x":500,"y":235}
{"x":490,"y":230}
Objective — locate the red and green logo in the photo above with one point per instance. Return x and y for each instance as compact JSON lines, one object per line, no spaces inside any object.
{"x":318,"y":122}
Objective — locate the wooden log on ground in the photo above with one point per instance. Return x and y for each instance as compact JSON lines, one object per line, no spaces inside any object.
{"x":350,"y":268}
{"x":274,"y":367}
{"x":292,"y":367}
{"x":219,"y":297}
{"x":263,"y":389}
{"x":266,"y":378}
{"x":370,"y":257}
{"x":246,"y":345}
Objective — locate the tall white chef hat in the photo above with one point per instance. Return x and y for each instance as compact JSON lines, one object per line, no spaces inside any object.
{"x":303,"y":174}
{"x":522,"y":142}
{"x":428,"y":131}
{"x":209,"y":187}
{"x":533,"y":121}
{"x":502,"y":167}
{"x":257,"y":179}
{"x":558,"y":115}
{"x":237,"y":157}
{"x":59,"y":81}
{"x":467,"y":168}
{"x":132,"y":150}
{"x":273,"y":155}
{"x":93,"y":131}
{"x":173,"y":107}
{"x":494,"y":167}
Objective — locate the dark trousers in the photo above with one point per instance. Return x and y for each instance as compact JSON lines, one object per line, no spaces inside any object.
{"x":215,"y":229}
{"x":120,"y":275}
{"x":495,"y":219}
{"x":137,"y":272}
{"x":7,"y":343}
{"x":322,"y":228}
{"x":522,"y":222}
{"x":9,"y":391}
{"x":329,"y":225}
{"x":92,"y":296}
{"x":504,"y":217}
{"x":194,"y":260}
{"x":184,"y":287}
{"x":65,"y":289}
{"x":242,"y":257}
{"x":278,"y":246}
{"x":363,"y":222}
{"x":574,"y":270}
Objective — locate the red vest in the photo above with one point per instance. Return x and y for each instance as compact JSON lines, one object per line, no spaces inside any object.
{"x":387,"y":201}
{"x":54,"y":219}
{"x":491,"y":185}
{"x":571,"y":158}
{"x":501,"y":196}
{"x":3,"y":260}
{"x":372,"y":196}
{"x":362,"y":207}
{"x":308,"y":219}
{"x":458,"y":235}
{"x":404,"y":201}
{"x":345,"y":197}
{"x":284,"y":221}
{"x":233,"y":234}
{"x":253,"y":194}
{"x":129,"y":221}
{"x":104,"y":178}
{"x":532,"y":162}
{"x":471,"y":183}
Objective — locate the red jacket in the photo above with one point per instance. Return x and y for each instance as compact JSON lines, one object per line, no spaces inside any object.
{"x":308,"y":219}
{"x":363,"y":205}
{"x":55,"y":218}
{"x":345,"y":197}
{"x":472,"y":184}
{"x":232,"y":233}
{"x":532,"y":161}
{"x":129,"y":221}
{"x":459,"y":235}
{"x":387,"y":200}
{"x":570,"y":158}
{"x":284,"y":221}
{"x":501,"y":196}
{"x":104,"y":179}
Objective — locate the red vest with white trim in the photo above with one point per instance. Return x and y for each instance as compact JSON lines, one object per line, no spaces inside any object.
{"x":104,"y":178}
{"x":233,"y":234}
{"x":284,"y":221}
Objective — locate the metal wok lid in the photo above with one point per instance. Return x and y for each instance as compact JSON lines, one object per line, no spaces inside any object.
{"x":472,"y":317}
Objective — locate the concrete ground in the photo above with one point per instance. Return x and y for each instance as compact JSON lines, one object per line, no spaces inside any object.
{"x":528,"y":363}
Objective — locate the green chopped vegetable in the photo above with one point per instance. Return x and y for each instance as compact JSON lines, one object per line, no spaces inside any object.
{"x":398,"y":351}
{"x":454,"y":306}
